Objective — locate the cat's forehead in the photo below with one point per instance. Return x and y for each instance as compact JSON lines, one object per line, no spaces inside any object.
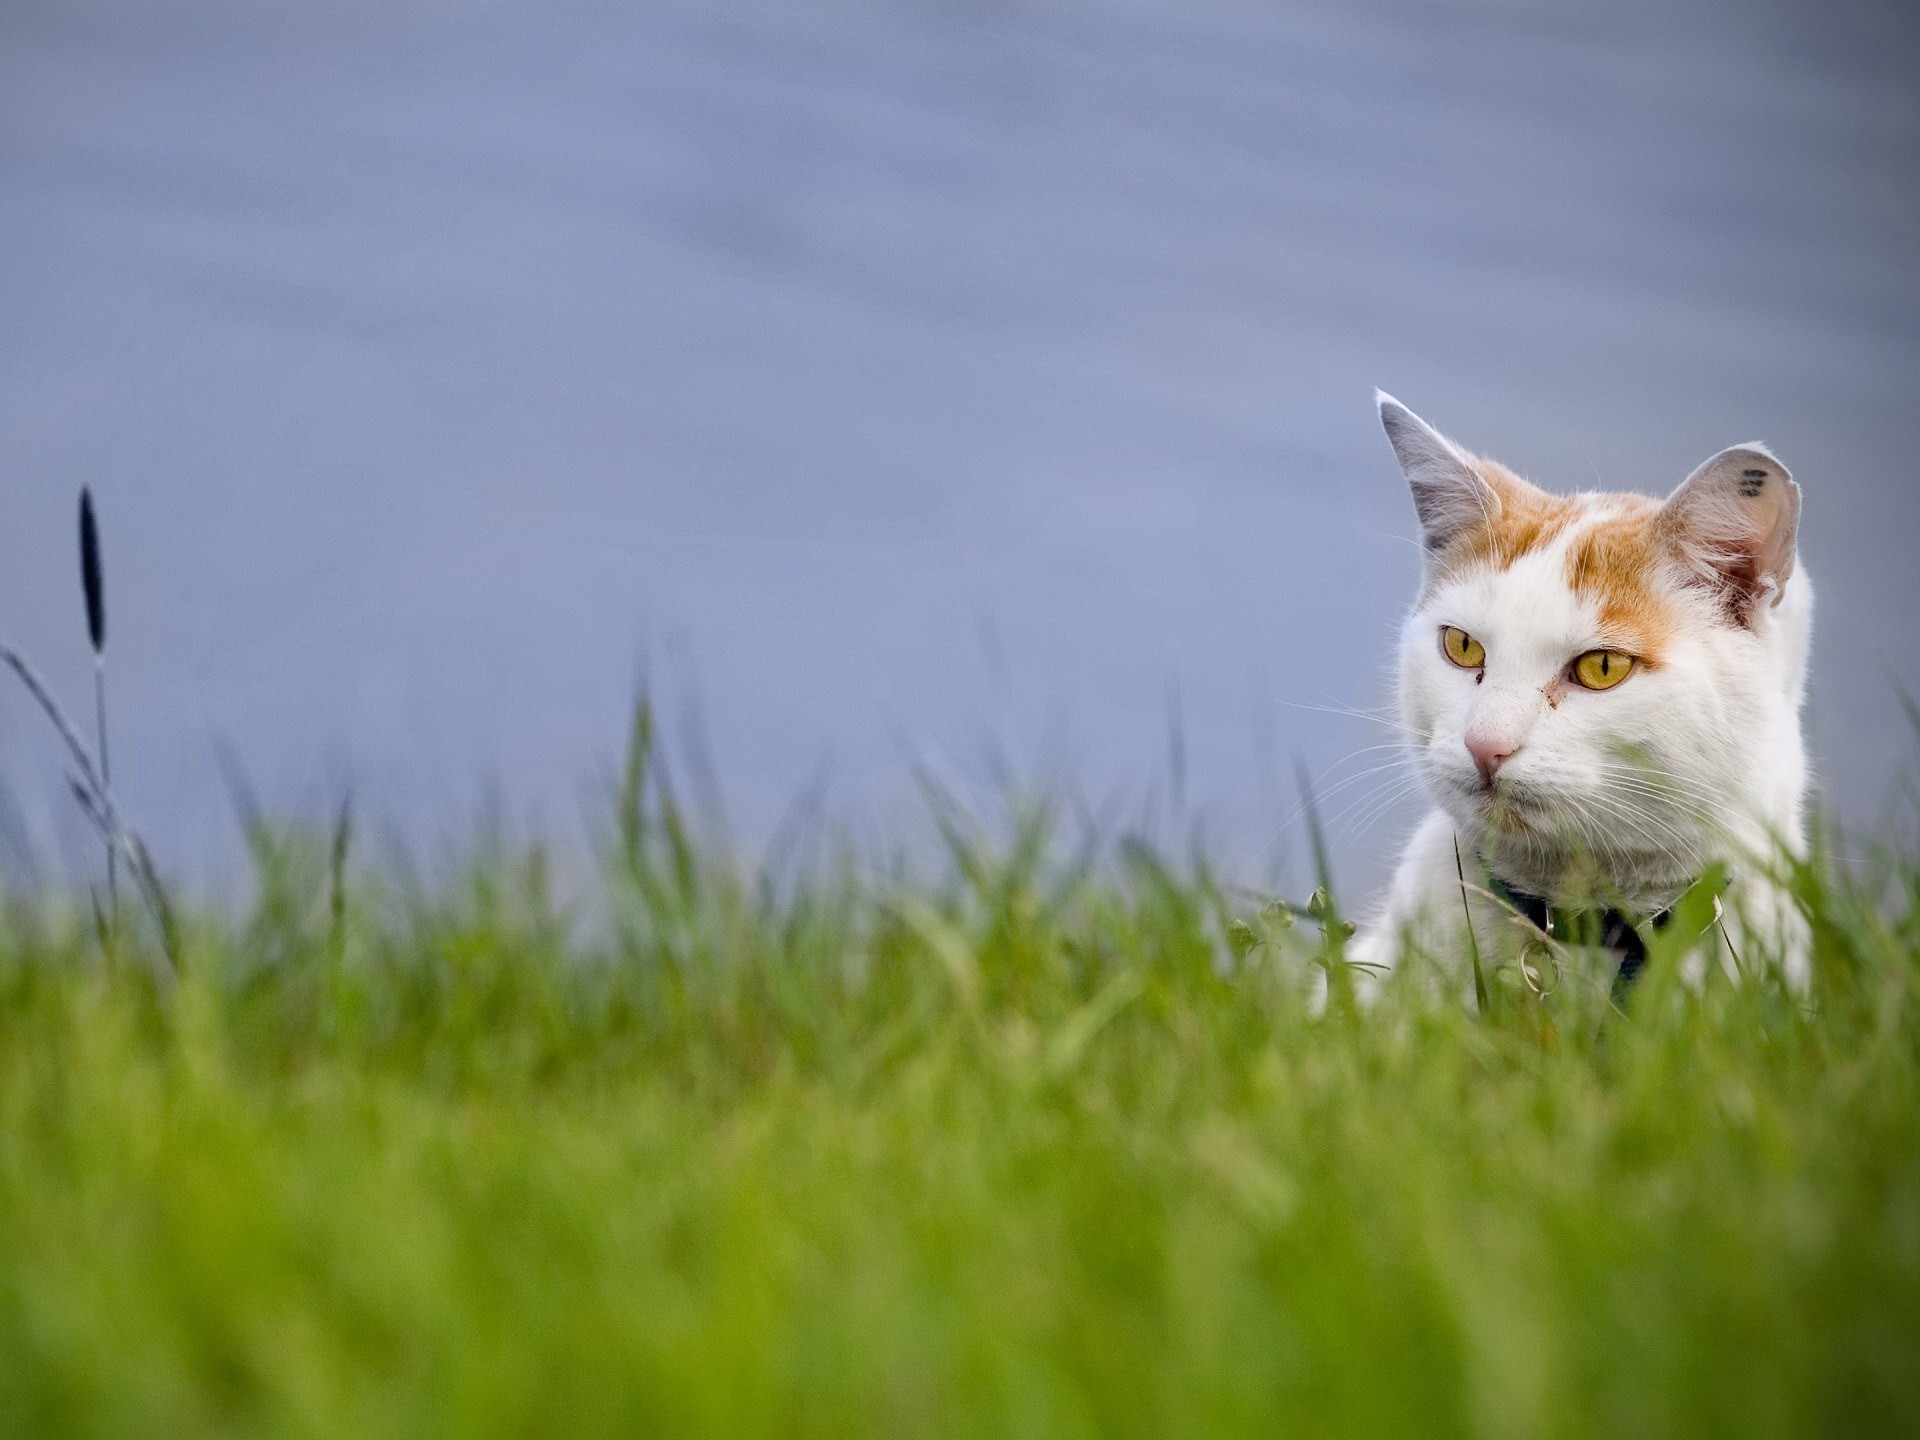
{"x":1551,"y":558}
{"x":1524,"y":613}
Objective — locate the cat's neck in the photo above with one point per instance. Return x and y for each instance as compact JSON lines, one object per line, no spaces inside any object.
{"x":1637,"y":880}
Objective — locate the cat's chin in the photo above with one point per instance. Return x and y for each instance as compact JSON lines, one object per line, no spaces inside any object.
{"x":1504,"y":811}
{"x":1510,"y":818}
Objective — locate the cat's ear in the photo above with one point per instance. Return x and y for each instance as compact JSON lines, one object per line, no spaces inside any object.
{"x":1733,"y":522}
{"x":1448,"y":494}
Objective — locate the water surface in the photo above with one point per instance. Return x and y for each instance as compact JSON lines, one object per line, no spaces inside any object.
{"x":898,"y":375}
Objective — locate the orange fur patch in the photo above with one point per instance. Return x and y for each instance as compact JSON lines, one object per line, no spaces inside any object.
{"x":1529,"y":517}
{"x":1615,"y":564}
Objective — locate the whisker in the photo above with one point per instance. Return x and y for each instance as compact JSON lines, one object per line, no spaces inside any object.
{"x":1345,"y":782}
{"x":1369,"y":813}
{"x":1349,"y":713}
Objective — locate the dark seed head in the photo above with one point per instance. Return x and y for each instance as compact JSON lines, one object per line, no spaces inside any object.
{"x":90,"y":577}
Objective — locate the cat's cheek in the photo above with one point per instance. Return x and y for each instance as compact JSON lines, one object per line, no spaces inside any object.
{"x":1420,"y":696}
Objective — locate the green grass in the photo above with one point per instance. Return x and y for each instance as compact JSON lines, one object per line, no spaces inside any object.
{"x":1034,"y":1147}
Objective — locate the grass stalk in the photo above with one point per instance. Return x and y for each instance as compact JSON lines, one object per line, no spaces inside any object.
{"x":94,"y":591}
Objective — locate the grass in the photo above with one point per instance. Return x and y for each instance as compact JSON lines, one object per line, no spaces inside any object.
{"x":1049,"y":1142}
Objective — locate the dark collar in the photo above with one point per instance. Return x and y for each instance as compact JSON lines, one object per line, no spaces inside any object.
{"x":1610,"y":928}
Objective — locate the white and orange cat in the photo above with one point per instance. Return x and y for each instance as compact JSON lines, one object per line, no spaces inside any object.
{"x":1603,"y":693}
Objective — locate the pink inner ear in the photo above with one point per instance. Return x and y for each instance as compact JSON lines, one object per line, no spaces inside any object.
{"x":1734,"y":521}
{"x":1773,"y":550}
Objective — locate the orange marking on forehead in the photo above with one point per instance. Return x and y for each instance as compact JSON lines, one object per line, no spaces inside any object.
{"x":1527,"y":518}
{"x":1615,"y":564}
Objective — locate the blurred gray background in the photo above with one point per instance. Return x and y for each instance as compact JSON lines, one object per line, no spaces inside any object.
{"x":902,"y":378}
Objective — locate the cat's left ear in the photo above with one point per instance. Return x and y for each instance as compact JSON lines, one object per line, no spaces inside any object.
{"x":1733,"y":523}
{"x":1450,"y":496}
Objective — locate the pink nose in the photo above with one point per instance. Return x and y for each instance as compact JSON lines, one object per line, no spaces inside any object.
{"x":1490,"y":753}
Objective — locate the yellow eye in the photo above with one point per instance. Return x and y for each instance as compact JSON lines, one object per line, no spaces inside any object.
{"x":1602,"y":669}
{"x":1461,"y":648}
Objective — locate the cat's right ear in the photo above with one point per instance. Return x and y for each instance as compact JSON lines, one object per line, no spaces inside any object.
{"x":1734,"y":522}
{"x":1448,"y":494}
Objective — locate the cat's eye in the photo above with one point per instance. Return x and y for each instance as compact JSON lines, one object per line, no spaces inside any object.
{"x":1461,"y":648}
{"x":1602,"y":669}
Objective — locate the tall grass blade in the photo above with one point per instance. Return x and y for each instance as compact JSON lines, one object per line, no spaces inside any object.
{"x":1325,"y":908}
{"x":338,"y":854}
{"x":93,"y":586}
{"x":96,"y":800}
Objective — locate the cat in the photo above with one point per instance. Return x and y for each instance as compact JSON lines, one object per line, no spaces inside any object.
{"x":1602,"y":694}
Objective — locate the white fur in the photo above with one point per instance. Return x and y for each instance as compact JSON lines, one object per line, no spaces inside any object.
{"x":1630,"y":792}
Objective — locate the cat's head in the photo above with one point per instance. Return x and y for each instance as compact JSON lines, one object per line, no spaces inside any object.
{"x":1604,"y":670}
